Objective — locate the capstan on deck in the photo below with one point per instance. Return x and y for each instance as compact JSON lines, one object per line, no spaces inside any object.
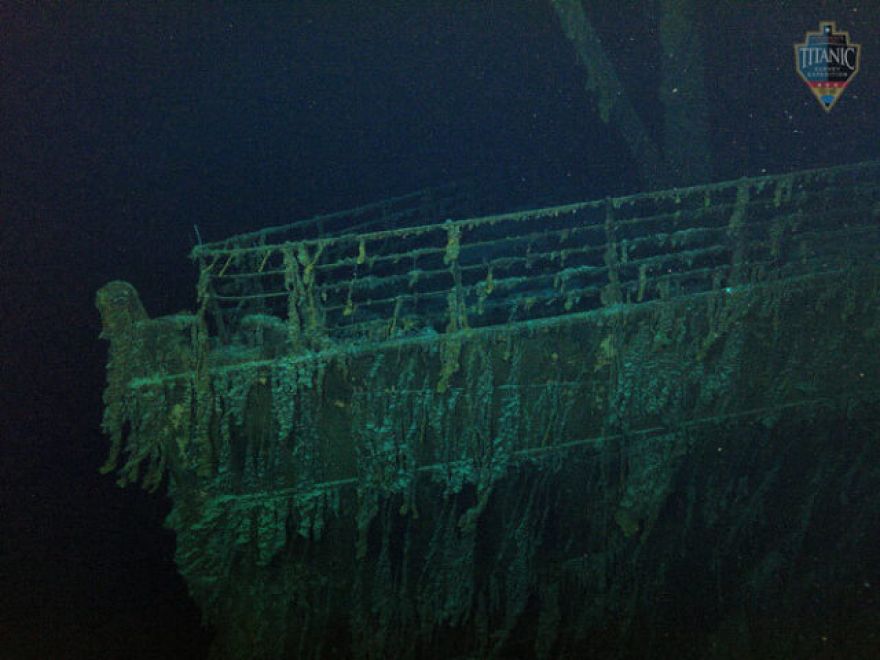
{"x":397,"y":431}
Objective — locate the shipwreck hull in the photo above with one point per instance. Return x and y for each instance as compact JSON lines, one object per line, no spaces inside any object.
{"x":647,"y":422}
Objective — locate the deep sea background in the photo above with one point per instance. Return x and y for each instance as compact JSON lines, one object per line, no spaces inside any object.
{"x":124,"y":124}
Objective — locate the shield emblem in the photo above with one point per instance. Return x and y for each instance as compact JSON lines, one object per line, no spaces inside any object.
{"x":827,"y":62}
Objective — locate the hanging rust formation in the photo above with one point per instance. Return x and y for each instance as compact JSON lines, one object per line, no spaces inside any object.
{"x":392,"y":434}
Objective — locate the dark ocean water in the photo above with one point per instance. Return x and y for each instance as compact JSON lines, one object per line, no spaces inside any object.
{"x":124,"y":125}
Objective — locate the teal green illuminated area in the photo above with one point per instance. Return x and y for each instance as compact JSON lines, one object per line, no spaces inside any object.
{"x":509,"y":436}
